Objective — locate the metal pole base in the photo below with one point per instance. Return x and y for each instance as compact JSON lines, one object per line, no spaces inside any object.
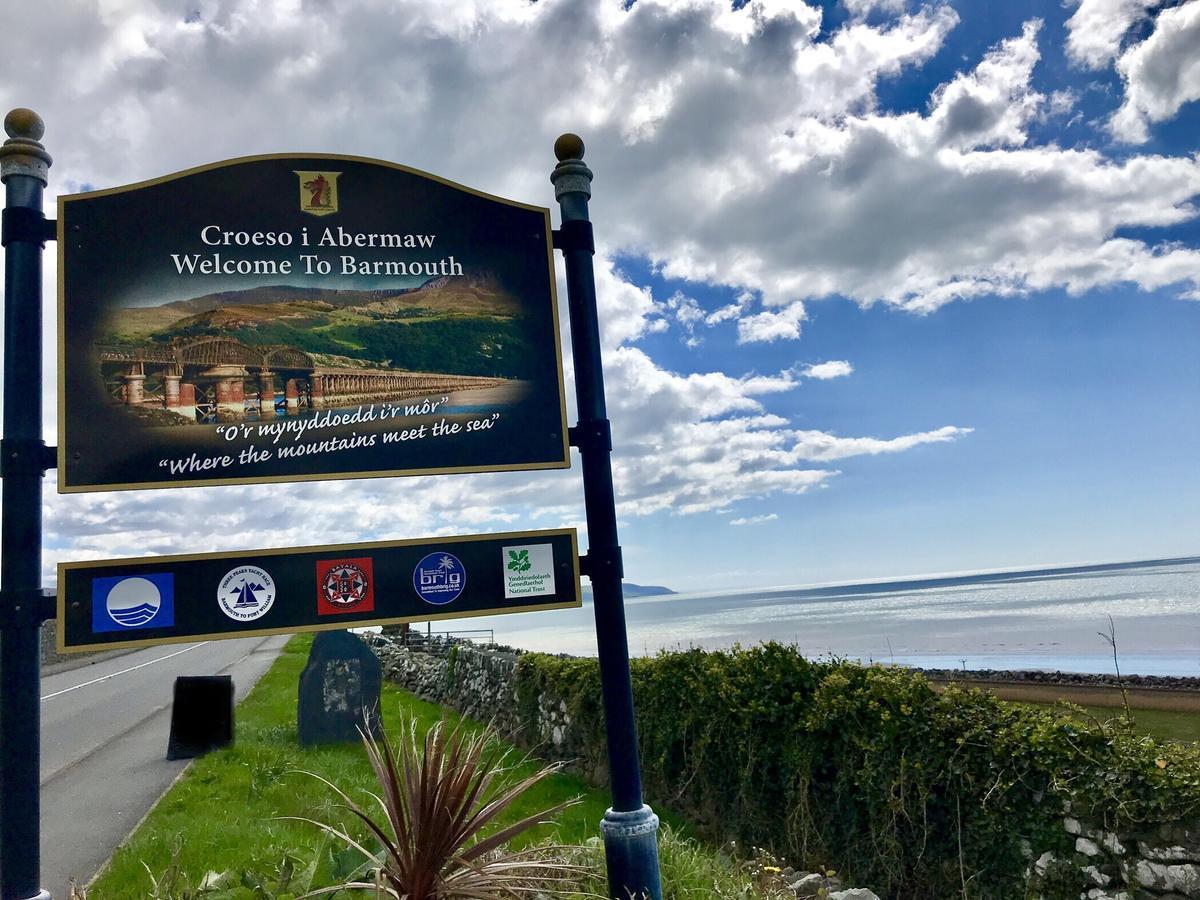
{"x":631,"y":853}
{"x":41,"y":895}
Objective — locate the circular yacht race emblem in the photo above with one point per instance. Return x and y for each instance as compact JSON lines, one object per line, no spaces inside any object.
{"x":246,"y":593}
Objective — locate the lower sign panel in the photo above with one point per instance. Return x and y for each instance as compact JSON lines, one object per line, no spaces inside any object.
{"x":168,"y":599}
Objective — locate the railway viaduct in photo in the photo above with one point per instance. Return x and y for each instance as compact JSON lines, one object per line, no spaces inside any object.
{"x":206,"y":377}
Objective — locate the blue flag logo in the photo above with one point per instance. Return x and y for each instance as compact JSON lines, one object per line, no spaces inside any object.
{"x":133,"y":601}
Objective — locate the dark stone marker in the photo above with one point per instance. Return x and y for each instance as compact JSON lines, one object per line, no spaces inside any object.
{"x":339,"y":690}
{"x":201,"y":716}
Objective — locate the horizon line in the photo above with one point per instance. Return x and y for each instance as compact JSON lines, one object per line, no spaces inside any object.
{"x":933,"y":576}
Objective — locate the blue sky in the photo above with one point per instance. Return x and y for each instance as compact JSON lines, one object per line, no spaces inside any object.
{"x":1082,"y":410}
{"x":1082,"y":407}
{"x":976,"y":220}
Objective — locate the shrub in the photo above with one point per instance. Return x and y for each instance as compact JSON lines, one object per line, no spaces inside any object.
{"x":867,"y":768}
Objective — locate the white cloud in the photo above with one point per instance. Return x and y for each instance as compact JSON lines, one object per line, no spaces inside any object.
{"x":817,"y":445}
{"x":863,"y":7}
{"x":989,"y":106}
{"x":771,"y":326}
{"x":1097,"y":27}
{"x":834,"y":368}
{"x":628,"y":309}
{"x":687,"y":313}
{"x":732,"y":310}
{"x":1061,"y":102}
{"x":885,"y":191}
{"x":804,"y":189}
{"x":754,"y":520}
{"x":742,"y":148}
{"x":701,"y":442}
{"x":1161,"y":74}
{"x":888,"y":208}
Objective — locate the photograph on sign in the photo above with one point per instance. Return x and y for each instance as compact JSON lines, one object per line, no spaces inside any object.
{"x":169,"y":599}
{"x":303,"y":317}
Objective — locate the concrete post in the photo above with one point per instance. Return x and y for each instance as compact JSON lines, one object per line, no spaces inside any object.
{"x":266,"y":393}
{"x":229,"y":390}
{"x":187,"y":400}
{"x":171,"y":390}
{"x":135,"y":389}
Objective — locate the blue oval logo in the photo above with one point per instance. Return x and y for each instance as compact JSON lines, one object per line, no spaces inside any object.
{"x":439,"y":578}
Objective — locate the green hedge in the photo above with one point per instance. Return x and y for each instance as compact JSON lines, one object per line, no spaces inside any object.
{"x":868,"y":769}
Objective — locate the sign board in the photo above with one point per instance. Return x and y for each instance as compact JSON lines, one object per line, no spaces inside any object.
{"x":172,"y":599}
{"x":282,"y":318}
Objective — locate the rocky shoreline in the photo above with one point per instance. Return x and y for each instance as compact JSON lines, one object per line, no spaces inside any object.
{"x":1030,"y":676}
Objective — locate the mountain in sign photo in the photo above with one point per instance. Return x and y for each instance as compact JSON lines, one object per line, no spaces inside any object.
{"x":459,"y":296}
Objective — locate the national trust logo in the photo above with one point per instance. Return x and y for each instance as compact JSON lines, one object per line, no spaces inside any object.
{"x":318,"y":192}
{"x":246,"y":593}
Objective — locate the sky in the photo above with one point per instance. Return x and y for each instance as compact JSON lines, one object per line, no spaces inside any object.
{"x":886,"y":288}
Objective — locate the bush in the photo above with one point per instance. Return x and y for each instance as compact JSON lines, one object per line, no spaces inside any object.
{"x":868,"y":769}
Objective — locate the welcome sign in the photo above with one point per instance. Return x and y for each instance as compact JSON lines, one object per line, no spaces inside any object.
{"x":284,"y":318}
{"x":170,"y":599}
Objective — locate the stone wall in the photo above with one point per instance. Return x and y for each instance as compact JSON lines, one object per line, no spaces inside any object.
{"x":475,"y":682}
{"x":50,"y":652}
{"x":51,"y":656}
{"x":481,"y":684}
{"x":1157,"y":862}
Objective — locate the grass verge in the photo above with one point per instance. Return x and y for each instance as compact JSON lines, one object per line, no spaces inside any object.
{"x":1166,"y":715}
{"x":223,"y":815}
{"x":1166,"y":725}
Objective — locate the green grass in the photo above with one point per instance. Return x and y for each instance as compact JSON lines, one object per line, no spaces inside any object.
{"x":223,"y":815}
{"x":1165,"y":725}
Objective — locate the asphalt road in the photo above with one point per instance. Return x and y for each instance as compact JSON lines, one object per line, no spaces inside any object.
{"x":104,"y":741}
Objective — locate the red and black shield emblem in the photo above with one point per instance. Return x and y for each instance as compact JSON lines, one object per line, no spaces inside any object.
{"x":344,"y":585}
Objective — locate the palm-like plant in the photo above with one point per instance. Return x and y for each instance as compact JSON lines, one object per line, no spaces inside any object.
{"x":439,"y":794}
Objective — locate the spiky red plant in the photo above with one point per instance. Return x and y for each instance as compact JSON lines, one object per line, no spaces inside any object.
{"x":438,"y":796}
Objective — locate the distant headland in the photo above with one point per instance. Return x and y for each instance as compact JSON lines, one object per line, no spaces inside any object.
{"x":629,"y":589}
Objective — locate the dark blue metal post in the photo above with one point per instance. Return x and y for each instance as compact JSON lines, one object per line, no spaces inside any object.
{"x":23,"y":167}
{"x":629,"y":827}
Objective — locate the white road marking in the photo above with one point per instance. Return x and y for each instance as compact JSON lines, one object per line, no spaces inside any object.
{"x":123,"y":671}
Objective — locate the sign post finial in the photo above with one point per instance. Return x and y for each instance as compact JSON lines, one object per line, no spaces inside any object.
{"x":571,"y":175}
{"x":23,"y":153}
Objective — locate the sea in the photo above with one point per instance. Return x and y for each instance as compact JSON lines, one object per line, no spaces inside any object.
{"x":1042,"y":619}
